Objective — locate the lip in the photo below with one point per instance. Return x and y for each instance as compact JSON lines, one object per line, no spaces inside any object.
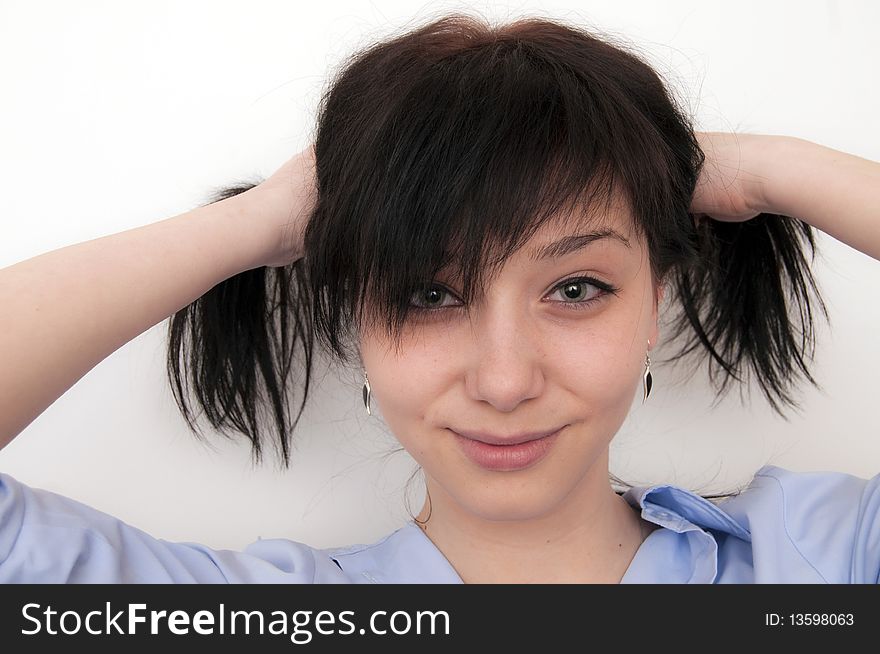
{"x":515,"y":456}
{"x":515,"y":439}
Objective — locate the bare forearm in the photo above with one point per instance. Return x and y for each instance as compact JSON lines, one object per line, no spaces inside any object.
{"x":835,"y":192}
{"x":65,"y":311}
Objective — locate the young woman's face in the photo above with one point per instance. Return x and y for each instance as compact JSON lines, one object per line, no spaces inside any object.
{"x":537,"y":354}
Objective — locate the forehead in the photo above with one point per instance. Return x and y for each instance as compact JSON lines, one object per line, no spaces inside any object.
{"x":600,"y":207}
{"x":606,"y":231}
{"x":607,"y":224}
{"x":571,"y":230}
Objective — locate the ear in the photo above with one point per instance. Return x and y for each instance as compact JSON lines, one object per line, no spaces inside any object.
{"x":658,"y":300}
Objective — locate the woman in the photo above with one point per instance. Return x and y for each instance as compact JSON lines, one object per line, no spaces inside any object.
{"x":488,"y":223}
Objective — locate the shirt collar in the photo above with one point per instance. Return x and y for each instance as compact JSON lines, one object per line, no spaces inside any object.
{"x":683,"y":551}
{"x":405,"y":556}
{"x":672,"y":507}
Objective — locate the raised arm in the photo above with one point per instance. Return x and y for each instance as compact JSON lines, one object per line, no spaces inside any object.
{"x":748,"y":174}
{"x":835,"y":192}
{"x":66,"y":310}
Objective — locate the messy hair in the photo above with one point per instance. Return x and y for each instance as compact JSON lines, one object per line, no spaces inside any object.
{"x":453,"y":143}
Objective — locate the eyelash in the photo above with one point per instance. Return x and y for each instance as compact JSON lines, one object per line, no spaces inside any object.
{"x":581,"y":305}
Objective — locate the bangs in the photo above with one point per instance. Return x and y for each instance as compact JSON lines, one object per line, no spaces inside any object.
{"x":478,"y":143}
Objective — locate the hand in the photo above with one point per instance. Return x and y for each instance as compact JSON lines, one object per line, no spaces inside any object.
{"x":286,"y":199}
{"x":730,"y":187}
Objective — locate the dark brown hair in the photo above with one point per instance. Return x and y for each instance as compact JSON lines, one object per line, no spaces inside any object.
{"x":454,"y":142}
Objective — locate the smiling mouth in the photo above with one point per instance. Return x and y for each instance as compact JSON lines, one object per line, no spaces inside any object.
{"x":514,"y":439}
{"x":516,"y":456}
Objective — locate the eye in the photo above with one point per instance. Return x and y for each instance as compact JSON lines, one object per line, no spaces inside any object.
{"x":573,"y":289}
{"x":429,"y":297}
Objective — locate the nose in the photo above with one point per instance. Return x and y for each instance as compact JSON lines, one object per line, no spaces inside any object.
{"x":506,"y":366}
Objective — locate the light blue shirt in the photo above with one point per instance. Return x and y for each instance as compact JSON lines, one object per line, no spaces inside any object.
{"x":785,"y":527}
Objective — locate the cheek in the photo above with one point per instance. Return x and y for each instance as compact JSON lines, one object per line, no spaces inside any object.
{"x":406,"y":383}
{"x":598,"y":365}
{"x":600,"y":361}
{"x":597,"y":360}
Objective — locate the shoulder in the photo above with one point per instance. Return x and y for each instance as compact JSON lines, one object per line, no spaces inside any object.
{"x":46,"y":537}
{"x":822,"y":524}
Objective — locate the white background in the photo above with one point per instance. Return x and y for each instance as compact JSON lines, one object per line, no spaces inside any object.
{"x":120,"y":114}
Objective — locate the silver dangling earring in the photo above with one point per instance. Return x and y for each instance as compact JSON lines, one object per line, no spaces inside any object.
{"x":366,"y":393}
{"x":647,"y":380}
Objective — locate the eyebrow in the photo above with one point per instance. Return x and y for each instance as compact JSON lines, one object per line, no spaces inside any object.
{"x":576,"y":242}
